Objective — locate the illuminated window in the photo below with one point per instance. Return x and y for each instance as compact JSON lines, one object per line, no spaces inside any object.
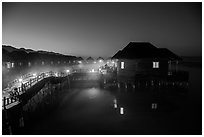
{"x":122,"y":65}
{"x":12,"y":65}
{"x":121,"y":111}
{"x":155,"y":64}
{"x":8,"y":65}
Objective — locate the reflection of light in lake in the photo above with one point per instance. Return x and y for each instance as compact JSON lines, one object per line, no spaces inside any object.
{"x":93,"y":92}
{"x":114,"y":101}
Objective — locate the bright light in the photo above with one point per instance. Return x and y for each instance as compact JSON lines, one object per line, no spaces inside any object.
{"x":100,"y":60}
{"x":122,"y":65}
{"x":67,"y":70}
{"x":20,"y":79}
{"x":92,"y":70}
{"x":95,"y":62}
{"x":56,"y":74}
{"x":80,"y":62}
{"x":115,"y":106}
{"x":113,"y":62}
{"x":115,"y":103}
{"x":12,"y":65}
{"x":121,"y":111}
{"x":8,"y":65}
{"x":155,"y":64}
{"x":34,"y":74}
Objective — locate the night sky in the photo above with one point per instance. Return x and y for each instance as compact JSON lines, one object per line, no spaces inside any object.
{"x":101,"y":29}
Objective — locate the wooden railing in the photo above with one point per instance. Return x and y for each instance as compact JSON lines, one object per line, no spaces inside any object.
{"x":14,"y":96}
{"x":10,"y":84}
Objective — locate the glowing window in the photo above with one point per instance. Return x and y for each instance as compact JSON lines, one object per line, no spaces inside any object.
{"x":122,"y":65}
{"x":12,"y":65}
{"x":155,"y":64}
{"x":8,"y":65}
{"x":121,"y":111}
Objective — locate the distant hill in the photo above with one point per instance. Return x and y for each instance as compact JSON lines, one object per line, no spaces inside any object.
{"x":9,"y":48}
{"x":10,"y":53}
{"x":27,"y":50}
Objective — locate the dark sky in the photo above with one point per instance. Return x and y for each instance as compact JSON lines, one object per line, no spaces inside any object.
{"x":101,"y":29}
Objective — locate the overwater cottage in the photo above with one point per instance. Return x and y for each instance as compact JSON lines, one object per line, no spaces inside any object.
{"x":89,"y":60}
{"x":139,"y":58}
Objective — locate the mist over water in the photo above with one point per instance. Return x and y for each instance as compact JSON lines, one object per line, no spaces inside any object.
{"x":93,"y":110}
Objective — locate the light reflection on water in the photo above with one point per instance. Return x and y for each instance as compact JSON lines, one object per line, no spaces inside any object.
{"x":130,"y":111}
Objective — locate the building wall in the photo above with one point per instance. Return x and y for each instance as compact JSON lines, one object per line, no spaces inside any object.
{"x":141,"y":66}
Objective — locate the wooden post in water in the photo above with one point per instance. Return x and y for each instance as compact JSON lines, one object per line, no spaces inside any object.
{"x":125,"y":86}
{"x":8,"y":126}
{"x":118,"y":84}
{"x":133,"y":86}
{"x":4,"y":103}
{"x":7,"y":100}
{"x":30,"y":82}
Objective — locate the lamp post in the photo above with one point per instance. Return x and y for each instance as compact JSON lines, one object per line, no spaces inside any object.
{"x":68,"y":71}
{"x":20,"y":80}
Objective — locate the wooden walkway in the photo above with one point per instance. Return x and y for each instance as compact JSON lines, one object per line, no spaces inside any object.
{"x":13,"y":97}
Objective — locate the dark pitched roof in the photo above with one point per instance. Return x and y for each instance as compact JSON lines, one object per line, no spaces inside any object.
{"x":80,"y":59}
{"x":99,"y":58}
{"x":136,"y":50}
{"x":89,"y":59}
{"x":168,"y":54}
{"x":117,"y":55}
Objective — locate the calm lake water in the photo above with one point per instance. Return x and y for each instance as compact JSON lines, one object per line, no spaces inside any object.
{"x":93,"y":110}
